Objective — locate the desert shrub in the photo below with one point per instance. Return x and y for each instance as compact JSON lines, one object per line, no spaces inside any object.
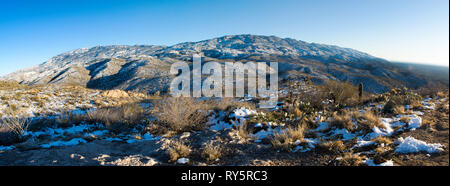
{"x":274,"y":116}
{"x":284,"y":141}
{"x":177,"y":150}
{"x":67,"y":118}
{"x":311,"y":102}
{"x":180,"y":114}
{"x":12,"y":129}
{"x":401,"y":100}
{"x":118,"y":118}
{"x":18,"y":125}
{"x":212,"y":152}
{"x":342,"y":93}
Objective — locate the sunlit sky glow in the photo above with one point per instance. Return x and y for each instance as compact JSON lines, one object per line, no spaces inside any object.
{"x":32,"y":32}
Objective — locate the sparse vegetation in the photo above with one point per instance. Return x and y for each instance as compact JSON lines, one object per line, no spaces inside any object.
{"x":180,"y":124}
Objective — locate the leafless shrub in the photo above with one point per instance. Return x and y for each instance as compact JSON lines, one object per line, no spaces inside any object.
{"x":67,"y":118}
{"x":181,"y":114}
{"x":342,"y":93}
{"x":16,"y":124}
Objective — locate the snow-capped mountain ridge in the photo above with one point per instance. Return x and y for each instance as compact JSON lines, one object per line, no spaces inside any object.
{"x":144,"y":67}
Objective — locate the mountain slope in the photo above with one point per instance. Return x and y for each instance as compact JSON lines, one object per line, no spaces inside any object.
{"x":145,"y":67}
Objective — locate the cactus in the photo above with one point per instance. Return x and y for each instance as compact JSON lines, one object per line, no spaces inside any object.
{"x":360,"y":89}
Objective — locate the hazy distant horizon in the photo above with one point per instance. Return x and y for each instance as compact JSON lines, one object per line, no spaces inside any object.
{"x":411,"y":31}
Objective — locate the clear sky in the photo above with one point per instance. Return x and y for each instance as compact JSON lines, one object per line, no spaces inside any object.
{"x":31,"y":32}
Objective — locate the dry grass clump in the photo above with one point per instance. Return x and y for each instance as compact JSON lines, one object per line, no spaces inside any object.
{"x":5,"y":85}
{"x":349,"y":159}
{"x":118,"y":118}
{"x":334,"y":147}
{"x":67,"y":118}
{"x":442,"y":94}
{"x":227,"y":104}
{"x":399,"y":110}
{"x":284,"y":141}
{"x":417,"y":106}
{"x":382,"y":140}
{"x":368,"y":120}
{"x":342,"y":121}
{"x":212,"y":152}
{"x":177,"y":150}
{"x":181,"y":114}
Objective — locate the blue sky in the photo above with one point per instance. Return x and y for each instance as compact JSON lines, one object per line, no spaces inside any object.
{"x":31,"y":32}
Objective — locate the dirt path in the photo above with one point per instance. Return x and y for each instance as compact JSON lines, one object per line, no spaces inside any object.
{"x":99,"y":152}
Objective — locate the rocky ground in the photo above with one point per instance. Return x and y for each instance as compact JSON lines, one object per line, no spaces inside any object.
{"x":74,"y":126}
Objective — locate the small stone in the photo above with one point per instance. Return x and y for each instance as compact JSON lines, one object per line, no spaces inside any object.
{"x":183,"y":161}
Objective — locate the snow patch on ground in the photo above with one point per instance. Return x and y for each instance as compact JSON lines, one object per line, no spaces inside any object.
{"x":412,"y":145}
{"x":72,"y":142}
{"x":363,"y":143}
{"x":5,"y":148}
